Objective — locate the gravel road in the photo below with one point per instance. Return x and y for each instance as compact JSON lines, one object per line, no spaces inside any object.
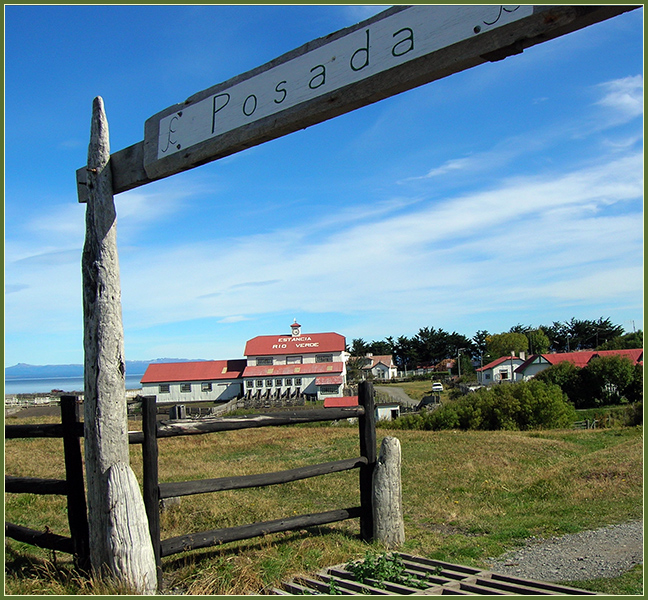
{"x":602,"y":553}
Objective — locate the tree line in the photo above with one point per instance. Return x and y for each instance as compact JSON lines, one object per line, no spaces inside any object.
{"x":430,"y":345}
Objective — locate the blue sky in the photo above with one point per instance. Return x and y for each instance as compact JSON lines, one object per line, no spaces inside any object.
{"x":509,"y":193}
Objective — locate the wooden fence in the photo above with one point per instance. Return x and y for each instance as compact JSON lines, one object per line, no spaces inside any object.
{"x":70,"y":429}
{"x":154,"y":491}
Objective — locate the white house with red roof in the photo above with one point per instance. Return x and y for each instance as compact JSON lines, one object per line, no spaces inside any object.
{"x":501,"y":369}
{"x":380,"y":366}
{"x":312,"y":364}
{"x":539,"y":362}
{"x":209,"y":380}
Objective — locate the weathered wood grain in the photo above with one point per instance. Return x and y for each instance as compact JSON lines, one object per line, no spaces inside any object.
{"x":138,"y":164}
{"x":116,"y":512}
{"x":388,"y":496}
{"x":206,"y":539}
{"x":202,"y":486}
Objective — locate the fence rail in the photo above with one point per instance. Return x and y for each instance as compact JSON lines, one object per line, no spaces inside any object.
{"x":154,"y":491}
{"x":70,"y":429}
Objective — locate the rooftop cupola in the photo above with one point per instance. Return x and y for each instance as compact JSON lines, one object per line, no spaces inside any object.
{"x":295,"y":329}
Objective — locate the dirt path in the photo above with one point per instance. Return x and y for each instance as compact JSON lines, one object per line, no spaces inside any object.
{"x":602,"y":553}
{"x":397,"y":394}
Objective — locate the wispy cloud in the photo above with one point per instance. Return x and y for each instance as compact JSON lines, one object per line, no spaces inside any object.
{"x":530,"y":237}
{"x":623,"y":97}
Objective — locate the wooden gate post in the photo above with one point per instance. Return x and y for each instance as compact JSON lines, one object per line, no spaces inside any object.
{"x":389,"y":525}
{"x":150,"y":475}
{"x":76,"y":502}
{"x":367,"y":425}
{"x":120,"y":545}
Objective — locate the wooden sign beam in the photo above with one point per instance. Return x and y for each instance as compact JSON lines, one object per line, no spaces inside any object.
{"x":394,"y":51}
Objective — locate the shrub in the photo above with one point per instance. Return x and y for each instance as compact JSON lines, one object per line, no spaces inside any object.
{"x":520,"y":406}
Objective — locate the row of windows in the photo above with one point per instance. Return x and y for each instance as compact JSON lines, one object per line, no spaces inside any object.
{"x":165,"y":388}
{"x":273,"y":382}
{"x":264,"y":361}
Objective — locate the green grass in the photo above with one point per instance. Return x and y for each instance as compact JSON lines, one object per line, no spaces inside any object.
{"x":467,"y":496}
{"x":630,"y":583}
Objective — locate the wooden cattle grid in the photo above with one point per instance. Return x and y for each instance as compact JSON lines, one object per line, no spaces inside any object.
{"x":446,"y":578}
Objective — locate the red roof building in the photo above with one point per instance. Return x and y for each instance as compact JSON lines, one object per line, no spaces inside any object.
{"x":208,"y":380}
{"x":308,"y":343}
{"x":539,"y":362}
{"x":276,"y":366}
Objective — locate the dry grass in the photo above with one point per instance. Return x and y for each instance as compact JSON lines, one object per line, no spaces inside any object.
{"x":467,"y":496}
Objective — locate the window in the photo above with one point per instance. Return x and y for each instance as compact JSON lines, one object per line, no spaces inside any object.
{"x":268,"y":382}
{"x":278,"y":382}
{"x":259,"y":383}
{"x":185,"y":387}
{"x":320,"y":358}
{"x":329,"y":389}
{"x":206,"y":386}
{"x":249,"y":383}
{"x":288,"y":381}
{"x":298,"y":381}
{"x":486,"y":375}
{"x":164,"y":388}
{"x":263,"y":361}
{"x":504,"y":374}
{"x":294,"y":360}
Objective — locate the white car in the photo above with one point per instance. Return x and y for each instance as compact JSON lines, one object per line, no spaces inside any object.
{"x":437,"y":387}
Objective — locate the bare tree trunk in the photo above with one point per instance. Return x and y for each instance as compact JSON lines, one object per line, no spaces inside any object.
{"x":116,"y":515}
{"x":388,"y":502}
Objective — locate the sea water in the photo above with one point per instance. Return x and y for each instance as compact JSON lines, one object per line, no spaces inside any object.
{"x":31,"y":385}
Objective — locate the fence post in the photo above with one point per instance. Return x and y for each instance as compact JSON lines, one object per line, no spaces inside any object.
{"x":367,"y":426}
{"x":151,"y":491}
{"x":389,"y":525}
{"x":76,"y":500}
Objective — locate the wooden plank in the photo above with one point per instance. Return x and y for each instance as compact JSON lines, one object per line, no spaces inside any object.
{"x":206,"y":539}
{"x":50,"y":430}
{"x":151,"y":490}
{"x":176,"y":428}
{"x":397,"y":50}
{"x":367,"y":427}
{"x":76,"y":501}
{"x":33,"y":485}
{"x":42,"y":539}
{"x":185,"y":488}
{"x":473,"y":35}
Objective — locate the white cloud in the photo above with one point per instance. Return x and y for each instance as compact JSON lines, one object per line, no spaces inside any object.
{"x":531,"y":239}
{"x":624,"y":97}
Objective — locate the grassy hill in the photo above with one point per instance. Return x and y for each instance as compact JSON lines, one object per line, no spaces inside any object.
{"x":467,"y":496}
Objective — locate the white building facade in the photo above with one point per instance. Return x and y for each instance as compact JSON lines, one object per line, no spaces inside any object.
{"x":311,"y":364}
{"x":196,"y":381}
{"x":278,"y":366}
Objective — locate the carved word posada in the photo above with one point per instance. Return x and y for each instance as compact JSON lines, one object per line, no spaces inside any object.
{"x":382,"y":45}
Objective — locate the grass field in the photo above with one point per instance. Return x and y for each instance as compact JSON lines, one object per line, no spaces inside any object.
{"x":467,"y":496}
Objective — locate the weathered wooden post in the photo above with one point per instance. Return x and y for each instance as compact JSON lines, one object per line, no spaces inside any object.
{"x":389,"y":527}
{"x":120,"y":545}
{"x":367,"y":426}
{"x":76,"y":500}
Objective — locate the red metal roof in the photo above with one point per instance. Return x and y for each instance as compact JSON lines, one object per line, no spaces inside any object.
{"x":581,"y":358}
{"x":341,"y":402}
{"x":306,"y":343}
{"x":207,"y":370}
{"x":294,"y":370}
{"x":329,"y":380}
{"x":499,"y":361}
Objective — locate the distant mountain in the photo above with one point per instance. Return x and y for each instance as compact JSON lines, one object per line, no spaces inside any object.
{"x":25,"y":371}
